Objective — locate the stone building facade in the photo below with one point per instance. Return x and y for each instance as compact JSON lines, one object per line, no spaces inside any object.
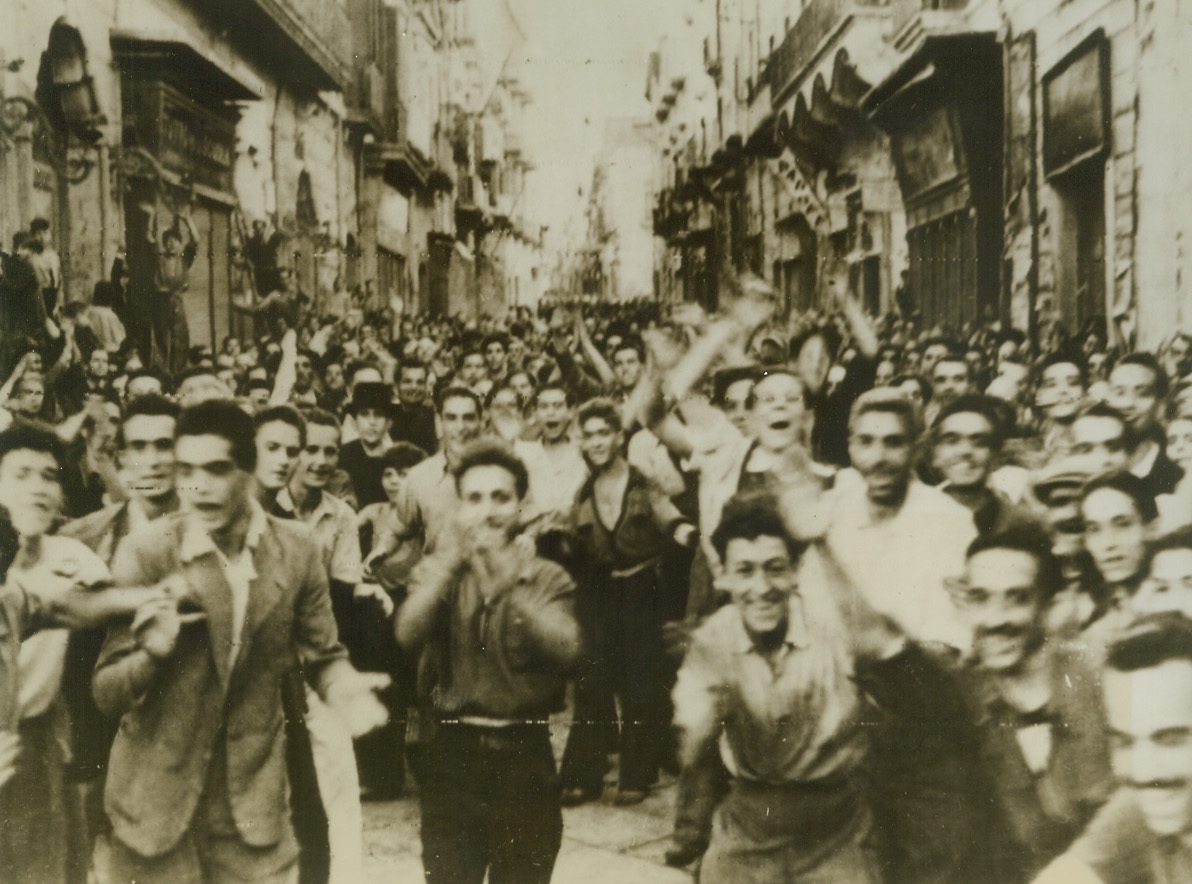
{"x":348,"y":127}
{"x":968,"y":159}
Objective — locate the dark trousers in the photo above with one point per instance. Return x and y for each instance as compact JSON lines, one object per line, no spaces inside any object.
{"x":171,"y":334}
{"x":490,"y":801}
{"x":41,"y":824}
{"x":624,"y":661}
{"x":306,"y":804}
{"x":368,"y":635}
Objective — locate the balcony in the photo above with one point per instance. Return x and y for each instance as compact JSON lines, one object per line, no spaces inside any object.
{"x":366,"y":100}
{"x":310,"y":40}
{"x":818,"y":21}
{"x":400,"y":163}
{"x":670,"y":215}
{"x":913,"y":21}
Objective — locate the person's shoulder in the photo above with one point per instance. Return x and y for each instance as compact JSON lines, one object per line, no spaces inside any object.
{"x":164,"y":531}
{"x":434,"y":466}
{"x":91,"y":527}
{"x":339,"y":507}
{"x":1116,"y":842}
{"x":718,"y":630}
{"x":550,"y":573}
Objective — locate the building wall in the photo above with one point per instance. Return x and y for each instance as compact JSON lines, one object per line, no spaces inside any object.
{"x":283,"y":134}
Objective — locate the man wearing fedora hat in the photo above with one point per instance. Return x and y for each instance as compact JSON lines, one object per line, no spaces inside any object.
{"x":372,"y":409}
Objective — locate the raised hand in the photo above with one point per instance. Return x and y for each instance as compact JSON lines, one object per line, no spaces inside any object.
{"x":755,"y":305}
{"x":353,"y":697}
{"x":157,"y":625}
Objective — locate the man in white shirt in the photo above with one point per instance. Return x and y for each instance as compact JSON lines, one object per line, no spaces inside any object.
{"x":897,"y":539}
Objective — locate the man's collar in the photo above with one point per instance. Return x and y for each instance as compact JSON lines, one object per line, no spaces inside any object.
{"x":284,"y":501}
{"x":796,"y":629}
{"x":197,"y":542}
{"x":1145,"y":464}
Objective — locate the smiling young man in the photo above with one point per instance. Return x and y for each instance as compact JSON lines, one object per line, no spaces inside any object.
{"x":1060,"y":390}
{"x":1138,"y":388}
{"x":1143,"y":835}
{"x":145,"y":453}
{"x":197,"y":780}
{"x":497,"y":635}
{"x":967,"y":436}
{"x":896,"y":538}
{"x":1039,"y":707}
{"x":768,"y":682}
{"x":557,"y":468}
{"x":413,"y":420}
{"x":622,"y":526}
{"x":279,"y":433}
{"x":53,"y":581}
{"x":429,"y":499}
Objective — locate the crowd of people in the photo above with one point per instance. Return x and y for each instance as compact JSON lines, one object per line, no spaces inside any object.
{"x":893,"y":604}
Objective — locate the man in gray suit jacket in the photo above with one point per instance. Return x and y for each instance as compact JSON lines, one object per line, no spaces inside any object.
{"x":197,"y":788}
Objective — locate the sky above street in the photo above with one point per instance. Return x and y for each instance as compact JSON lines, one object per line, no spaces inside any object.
{"x":584,"y":62}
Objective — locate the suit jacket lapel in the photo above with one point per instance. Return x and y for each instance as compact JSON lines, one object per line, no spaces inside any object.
{"x":265,"y":591}
{"x":206,"y":577}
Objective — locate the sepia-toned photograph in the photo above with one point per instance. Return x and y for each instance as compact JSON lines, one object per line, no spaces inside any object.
{"x":595,"y":442}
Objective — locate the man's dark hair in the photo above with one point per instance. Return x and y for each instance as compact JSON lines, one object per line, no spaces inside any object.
{"x":629,"y":342}
{"x":940,"y":340}
{"x":37,"y":225}
{"x":402,"y":456}
{"x":473,"y":350}
{"x":1061,"y":358}
{"x":150,"y":372}
{"x":495,"y":338}
{"x":751,"y":515}
{"x":411,"y":365}
{"x":956,"y":359}
{"x":322,"y":417}
{"x":285,"y":414}
{"x":1031,"y":539}
{"x":726,"y":377}
{"x":601,"y":409}
{"x":1128,"y":484}
{"x":976,"y":403}
{"x":1150,"y":641}
{"x":1179,"y":539}
{"x":1149,"y":361}
{"x":455,"y":391}
{"x":557,"y":386}
{"x":487,"y":453}
{"x":921,"y":382}
{"x":32,"y":437}
{"x":147,"y":405}
{"x":226,"y":419}
{"x":1101,"y":409}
